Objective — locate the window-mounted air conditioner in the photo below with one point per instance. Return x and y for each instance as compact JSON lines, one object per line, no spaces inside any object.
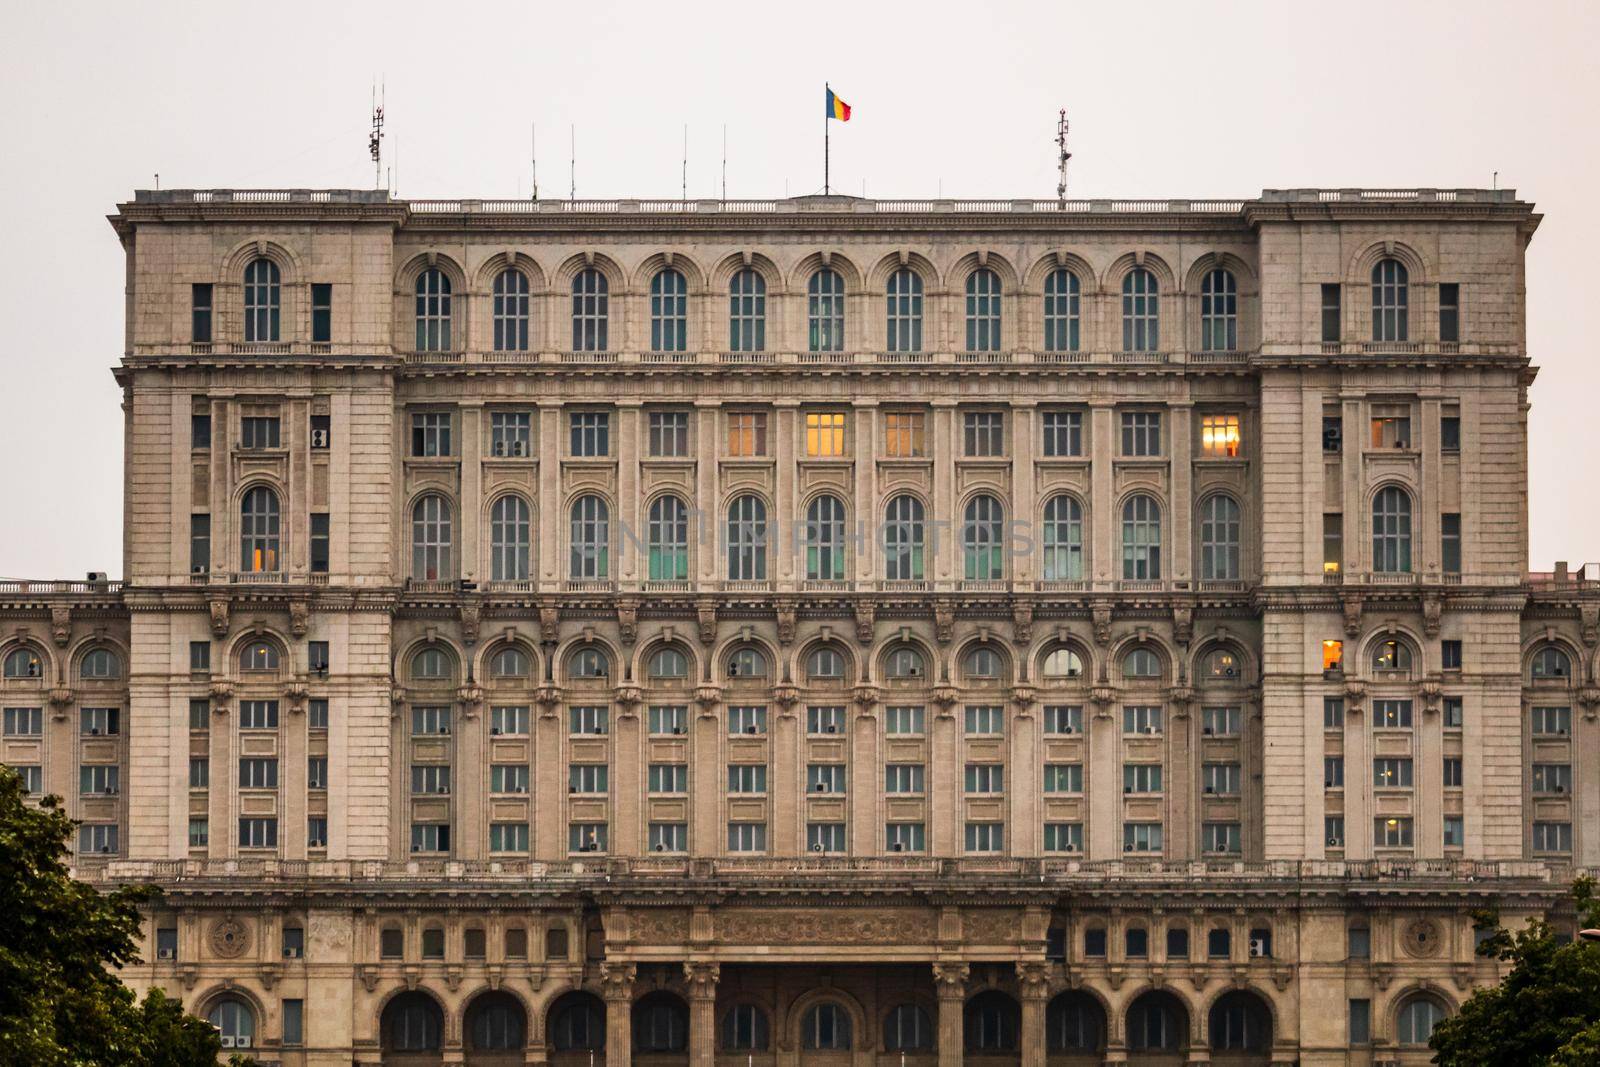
{"x":499,"y":448}
{"x":1127,"y":848}
{"x":832,"y":729}
{"x":105,"y":850}
{"x":1152,"y":731}
{"x":242,"y":1042}
{"x":750,"y":729}
{"x":227,"y":1042}
{"x":660,"y":847}
{"x":198,"y":568}
{"x":1072,"y":846}
{"x":817,"y":847}
{"x":166,"y":953}
{"x":1210,"y":791}
{"x":416,"y":848}
{"x":597,"y":731}
{"x":291,"y":953}
{"x":1335,"y":842}
{"x":494,"y":731}
{"x":519,"y":448}
{"x":1258,"y":947}
{"x":678,"y":730}
{"x":1207,"y":731}
{"x":899,"y":846}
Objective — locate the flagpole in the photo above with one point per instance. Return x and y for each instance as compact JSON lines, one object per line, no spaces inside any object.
{"x":825,"y":132}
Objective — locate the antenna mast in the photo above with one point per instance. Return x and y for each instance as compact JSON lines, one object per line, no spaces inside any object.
{"x":375,"y":142}
{"x":686,"y":161}
{"x":533,"y":137}
{"x":1061,"y":143}
{"x":572,"y":162}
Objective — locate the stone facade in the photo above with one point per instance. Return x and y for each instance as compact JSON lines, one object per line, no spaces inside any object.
{"x":822,"y":631}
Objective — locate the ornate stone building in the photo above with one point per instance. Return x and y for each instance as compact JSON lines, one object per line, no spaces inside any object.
{"x":822,"y":631}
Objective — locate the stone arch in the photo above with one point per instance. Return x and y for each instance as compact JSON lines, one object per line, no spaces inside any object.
{"x":562,"y":656}
{"x":1257,"y":998}
{"x":722,"y":272}
{"x":208,"y":998}
{"x":48,"y":664}
{"x":1178,"y":1033}
{"x":967,"y":644}
{"x":504,"y":992}
{"x":1386,"y":1012}
{"x":1166,"y":280}
{"x":508,"y":638}
{"x":236,"y":645}
{"x":1120,"y":647}
{"x":1089,"y":997}
{"x":426,"y":997}
{"x":1549,"y":638}
{"x":962,"y":268}
{"x":573,"y":265}
{"x":405,"y":279}
{"x":838,"y":641}
{"x":483,"y":278}
{"x":908,"y":639}
{"x":245,"y":253}
{"x":694,"y":274}
{"x":1033,"y":278}
{"x":877,"y":278}
{"x":1061,"y":637}
{"x":862,"y":1035}
{"x":800,"y":274}
{"x":728,"y":645}
{"x":1389,"y":631}
{"x":1359,"y":271}
{"x":1009,"y":1037}
{"x":1243,"y":274}
{"x":640,"y":663}
{"x":669,"y":998}
{"x":570,"y":998}
{"x":407,"y":654}
{"x":1215,"y":642}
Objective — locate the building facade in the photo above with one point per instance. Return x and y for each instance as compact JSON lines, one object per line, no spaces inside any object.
{"x":823,"y":631}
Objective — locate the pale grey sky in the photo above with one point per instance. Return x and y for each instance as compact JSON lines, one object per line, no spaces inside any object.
{"x":1166,"y":99}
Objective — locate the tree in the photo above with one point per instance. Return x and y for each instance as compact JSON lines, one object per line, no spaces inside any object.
{"x":61,"y":942}
{"x":1546,"y":1012}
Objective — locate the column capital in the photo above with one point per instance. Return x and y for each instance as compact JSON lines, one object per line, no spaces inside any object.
{"x":950,"y":979}
{"x":1033,"y":978}
{"x":702,"y":978}
{"x":616,"y":981}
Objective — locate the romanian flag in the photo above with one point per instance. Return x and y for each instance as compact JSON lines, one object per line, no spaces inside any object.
{"x":837,"y":109}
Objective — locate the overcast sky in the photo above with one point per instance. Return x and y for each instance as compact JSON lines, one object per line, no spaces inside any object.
{"x":1183,"y":100}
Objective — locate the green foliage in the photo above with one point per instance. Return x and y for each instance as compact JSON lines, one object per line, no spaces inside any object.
{"x":1546,"y":1013}
{"x":61,"y":1003}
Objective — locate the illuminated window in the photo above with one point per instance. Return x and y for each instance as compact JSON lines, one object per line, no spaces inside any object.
{"x":1332,"y":655}
{"x":1219,"y":436}
{"x":1391,"y":426}
{"x":825,"y":433}
{"x":1391,"y":655}
{"x":903,"y":434}
{"x":747,"y":433}
{"x":258,"y":530}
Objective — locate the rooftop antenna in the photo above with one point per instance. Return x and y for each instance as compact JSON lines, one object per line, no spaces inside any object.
{"x":1061,"y":143}
{"x":375,"y":142}
{"x":686,"y":161}
{"x":1496,"y":179}
{"x":533,"y":137}
{"x":724,"y":161}
{"x":572,"y":161}
{"x":158,"y":183}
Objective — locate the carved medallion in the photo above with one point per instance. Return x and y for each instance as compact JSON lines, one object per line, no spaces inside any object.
{"x":1424,"y":938}
{"x":229,"y":938}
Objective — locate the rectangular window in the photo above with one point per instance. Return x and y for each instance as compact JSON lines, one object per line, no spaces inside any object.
{"x":200,"y":313}
{"x":985,"y":778}
{"x":747,"y":719}
{"x":1063,"y":719}
{"x":199,"y":432}
{"x":508,"y":778}
{"x":1449,"y":312}
{"x":669,"y":433}
{"x":1063,"y":777}
{"x":508,"y":837}
{"x":430,"y":837}
{"x":905,"y":837}
{"x":262,"y":773}
{"x":199,"y":657}
{"x":1141,"y":433}
{"x":1552,"y":837}
{"x":1332,"y":432}
{"x":1358,"y":943}
{"x":99,"y":780}
{"x":1360,"y":1021}
{"x":319,"y":543}
{"x":825,"y":836}
{"x":430,"y":779}
{"x":97,"y":838}
{"x":1141,"y":778}
{"x":1220,"y":779}
{"x":590,"y":433}
{"x":671,"y":719}
{"x":321,"y":312}
{"x":1552,"y":722}
{"x":1063,"y":837}
{"x":747,"y":837}
{"x":825,"y":720}
{"x":1455,"y":835}
{"x":294,"y":1022}
{"x":1450,"y":432}
{"x":510,"y":433}
{"x":317,"y":714}
{"x":1393,"y":832}
{"x":317,"y":657}
{"x":1332,"y":542}
{"x":1063,"y":433}
{"x":1552,"y":778}
{"x":904,"y":778}
{"x":589,"y":719}
{"x":747,"y":777}
{"x":1333,"y":830}
{"x":1141,"y":837}
{"x":508,"y":720}
{"x":1391,"y":714}
{"x":904,"y":720}
{"x":589,"y":779}
{"x":100,"y":722}
{"x":1219,"y":436}
{"x":1141,"y":719}
{"x":985,"y":836}
{"x":1221,"y":837}
{"x":317,"y":831}
{"x":199,"y":544}
{"x":1094,"y":942}
{"x":1391,"y":773}
{"x":824,"y":434}
{"x":747,"y":433}
{"x":199,"y":773}
{"x":1454,"y":714}
{"x":429,"y":719}
{"x":1450,"y":655}
{"x":669,"y":778}
{"x":1221,"y":722}
{"x":1391,"y":426}
{"x":669,"y":837}
{"x":430,"y":434}
{"x":825,"y":778}
{"x":321,"y":433}
{"x":200,"y":714}
{"x":258,"y":833}
{"x":983,"y":434}
{"x":294,"y":942}
{"x":1333,"y":772}
{"x":260,"y":431}
{"x":985,"y":720}
{"x":903,"y":434}
{"x":1450,"y":542}
{"x":1331,"y":313}
{"x":24,"y":722}
{"x":199,"y":833}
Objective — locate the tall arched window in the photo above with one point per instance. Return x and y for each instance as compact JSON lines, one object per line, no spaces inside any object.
{"x":234,"y":1020}
{"x":578,"y":1023}
{"x":412,"y":1023}
{"x":433,"y":311}
{"x":1141,"y":538}
{"x":496,"y":1022}
{"x":1061,"y":311}
{"x":591,"y":312}
{"x":1551,"y":663}
{"x":991,"y":1022}
{"x":903,"y":314}
{"x":660,"y":1024}
{"x":1141,"y":312}
{"x":669,"y":312}
{"x":1391,"y":530}
{"x":904,"y":534}
{"x":747,"y":312}
{"x":1219,"y":538}
{"x":1219,"y":311}
{"x":825,"y":311}
{"x":983,"y":539}
{"x":825,"y":1027}
{"x":1063,"y":539}
{"x":983,"y":311}
{"x":510,"y":538}
{"x":258,"y":530}
{"x":23,"y":662}
{"x":431,"y":538}
{"x":1417,"y":1019}
{"x":1390,"y":300}
{"x":261,"y":303}
{"x":825,"y":538}
{"x":590,"y":538}
{"x":511,"y":311}
{"x":747,"y":539}
{"x":668,"y":539}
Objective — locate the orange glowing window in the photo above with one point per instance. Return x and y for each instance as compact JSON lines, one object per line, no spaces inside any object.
{"x":1332,"y":655}
{"x":1219,"y":436}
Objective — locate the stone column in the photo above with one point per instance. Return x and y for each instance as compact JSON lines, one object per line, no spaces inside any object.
{"x":950,"y":981}
{"x":1033,"y":979}
{"x":702,"y":1012}
{"x":616,"y":980}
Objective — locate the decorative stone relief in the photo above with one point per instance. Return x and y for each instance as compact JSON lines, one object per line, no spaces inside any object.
{"x":782,"y":927}
{"x":299,"y":617}
{"x":219,"y":616}
{"x":229,"y":938}
{"x":61,"y":624}
{"x":1423,"y":938}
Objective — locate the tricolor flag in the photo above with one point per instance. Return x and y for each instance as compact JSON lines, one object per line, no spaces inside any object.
{"x":837,"y":109}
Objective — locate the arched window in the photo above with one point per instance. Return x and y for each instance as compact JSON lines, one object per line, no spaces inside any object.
{"x":825,"y":1027}
{"x":1141,"y":312}
{"x":825,"y":665}
{"x":1063,"y":539}
{"x":660,"y":1024}
{"x":433,"y":311}
{"x":511,"y":311}
{"x":578,"y":1024}
{"x":746,"y":663}
{"x":668,"y":537}
{"x":1061,"y":311}
{"x":1156,"y":1023}
{"x":1219,"y":538}
{"x":1418,"y":1016}
{"x":1222,"y":665}
{"x":101,"y":664}
{"x":588,"y":662}
{"x":1391,"y":530}
{"x":747,"y":539}
{"x":983,"y":311}
{"x":1548,"y":663}
{"x":1074,"y":1022}
{"x":1391,"y":655}
{"x":23,"y":663}
{"x":590,"y":537}
{"x":747,"y":312}
{"x":510,"y":537}
{"x":668,"y":664}
{"x":1219,"y":312}
{"x":1239,"y":1022}
{"x":1390,"y":299}
{"x":1141,"y":664}
{"x":591,"y":313}
{"x":261,"y":301}
{"x":982,"y":664}
{"x":908,"y":1029}
{"x":745,"y":1029}
{"x":991,"y":1021}
{"x":905,"y":664}
{"x":983,"y":539}
{"x":233,"y":1018}
{"x":431,"y":665}
{"x":1062,"y":663}
{"x":258,"y":530}
{"x":509,"y":662}
{"x":825,"y":538}
{"x":412,"y":1023}
{"x":496,"y":1023}
{"x":257,"y":656}
{"x":903,"y":315}
{"x":669,"y":312}
{"x":431,"y":538}
{"x":1141,"y":538}
{"x":904,"y":534}
{"x":825,"y":311}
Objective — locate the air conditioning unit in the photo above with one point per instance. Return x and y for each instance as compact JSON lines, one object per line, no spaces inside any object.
{"x":519,"y":448}
{"x":1209,"y":791}
{"x":319,"y":438}
{"x":444,"y":729}
{"x":1070,"y":730}
{"x":597,"y":731}
{"x":750,"y":729}
{"x":291,"y":953}
{"x":677,"y":730}
{"x":111,"y":790}
{"x":96,"y":576}
{"x":1207,"y":731}
{"x":817,"y":847}
{"x":1152,"y":731}
{"x":166,"y":953}
{"x":1072,"y":846}
{"x":1258,"y":947}
{"x":198,"y":568}
{"x":227,"y":1042}
{"x":94,"y":731}
{"x":660,"y":847}
{"x":242,"y":1042}
{"x":105,"y":850}
{"x":899,"y":846}
{"x":1558,"y":789}
{"x":1127,"y":848}
{"x":832,"y":730}
{"x":416,"y":848}
{"x":1127,"y":789}
{"x":499,"y":448}
{"x":1336,"y":842}
{"x":494,"y":731}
